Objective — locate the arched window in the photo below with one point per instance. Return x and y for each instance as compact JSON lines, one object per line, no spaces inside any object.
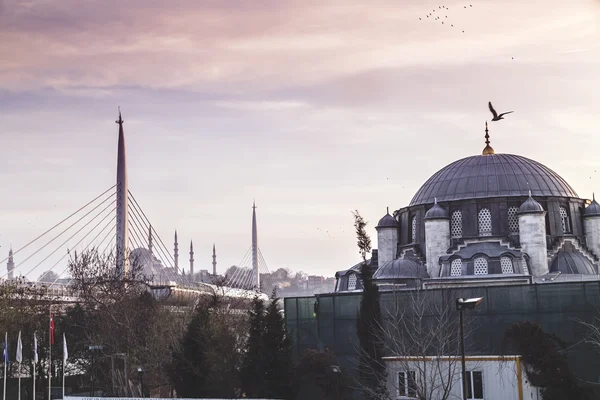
{"x":481,"y":266}
{"x":485,"y":222}
{"x":564,"y":220}
{"x":413,"y":229}
{"x":352,"y":282}
{"x":507,"y":265}
{"x":513,"y":220}
{"x":456,"y":267}
{"x":456,"y":225}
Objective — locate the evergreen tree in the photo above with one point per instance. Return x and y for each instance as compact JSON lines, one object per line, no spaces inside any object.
{"x":369,"y":322}
{"x":277,"y":351}
{"x":252,"y":374}
{"x":189,"y":370}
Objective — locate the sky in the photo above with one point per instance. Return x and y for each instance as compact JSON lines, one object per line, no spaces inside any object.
{"x":311,"y":108}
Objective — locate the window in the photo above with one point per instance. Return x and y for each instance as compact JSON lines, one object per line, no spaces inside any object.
{"x":513,"y":220}
{"x":456,"y":267}
{"x":407,"y":384}
{"x":352,"y":282}
{"x":456,"y":225}
{"x":564,"y":220}
{"x":474,"y":385}
{"x":481,"y":266}
{"x":485,"y":222}
{"x":507,"y":265}
{"x":413,"y":229}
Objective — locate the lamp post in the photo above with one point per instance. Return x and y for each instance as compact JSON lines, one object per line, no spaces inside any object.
{"x":93,"y":349}
{"x":141,"y":373}
{"x":461,"y":305}
{"x":337,"y":371}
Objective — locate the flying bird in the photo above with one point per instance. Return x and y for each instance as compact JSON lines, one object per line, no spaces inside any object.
{"x":497,"y":117}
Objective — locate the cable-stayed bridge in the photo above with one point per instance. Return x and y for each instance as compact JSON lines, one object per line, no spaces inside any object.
{"x":114,"y":223}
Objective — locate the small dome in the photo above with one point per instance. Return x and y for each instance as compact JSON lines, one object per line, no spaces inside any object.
{"x":436,"y":212}
{"x":572,"y":263}
{"x":401,"y":268}
{"x":387,"y":221}
{"x":530,"y":206}
{"x":593,"y":209}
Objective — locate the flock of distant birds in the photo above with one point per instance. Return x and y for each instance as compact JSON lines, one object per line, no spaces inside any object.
{"x":433,"y":16}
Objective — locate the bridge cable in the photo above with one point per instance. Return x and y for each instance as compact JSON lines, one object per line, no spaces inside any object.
{"x":61,"y":222}
{"x":88,"y":245}
{"x":71,"y":237}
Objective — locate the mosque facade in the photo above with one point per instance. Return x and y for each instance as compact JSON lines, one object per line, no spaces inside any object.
{"x":489,"y":219}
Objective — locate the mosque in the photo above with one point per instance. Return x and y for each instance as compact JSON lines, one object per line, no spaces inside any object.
{"x":486,"y":220}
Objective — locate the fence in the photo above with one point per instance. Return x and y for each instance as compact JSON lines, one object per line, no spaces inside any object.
{"x":557,"y":307}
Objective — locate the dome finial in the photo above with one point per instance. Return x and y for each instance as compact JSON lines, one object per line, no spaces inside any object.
{"x":529,"y":192}
{"x":435,"y":200}
{"x":488,"y":149}
{"x":387,"y":210}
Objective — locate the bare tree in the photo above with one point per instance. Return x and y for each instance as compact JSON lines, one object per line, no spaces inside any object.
{"x":122,"y":314}
{"x":422,"y":332}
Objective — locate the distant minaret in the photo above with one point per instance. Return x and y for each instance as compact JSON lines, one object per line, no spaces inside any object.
{"x":255,"y":248}
{"x":214,"y":261}
{"x":176,"y":253}
{"x":150,"y":239}
{"x":10,"y":265}
{"x":191,"y":258}
{"x":122,"y":244}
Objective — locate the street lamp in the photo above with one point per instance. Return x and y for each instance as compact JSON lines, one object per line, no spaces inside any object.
{"x":461,"y":305}
{"x":141,"y":373}
{"x":337,"y":371}
{"x":94,"y":348}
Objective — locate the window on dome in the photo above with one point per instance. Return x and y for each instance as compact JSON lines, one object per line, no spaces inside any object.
{"x":352,"y":282}
{"x":564,"y":220}
{"x":507,"y":265}
{"x":456,"y":225}
{"x":481,"y":266}
{"x":513,"y":220}
{"x":413,"y":229}
{"x":485,"y":222}
{"x":456,"y":267}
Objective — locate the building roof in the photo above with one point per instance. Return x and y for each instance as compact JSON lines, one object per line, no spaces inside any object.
{"x":437,"y":212}
{"x":593,"y":209}
{"x":572,"y":262}
{"x":401,"y":268}
{"x":492,"y":175}
{"x":387,"y":221}
{"x":530,"y":206}
{"x":490,"y":249}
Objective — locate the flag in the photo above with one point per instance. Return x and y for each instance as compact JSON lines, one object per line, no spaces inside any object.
{"x":65,"y":352}
{"x":6,"y":348}
{"x":35,"y":353}
{"x":51,"y":329}
{"x":19,"y":356}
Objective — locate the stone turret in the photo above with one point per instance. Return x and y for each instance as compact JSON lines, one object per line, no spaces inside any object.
{"x":437,"y":237}
{"x":591,"y":226}
{"x":532,"y":235}
{"x":387,"y":239}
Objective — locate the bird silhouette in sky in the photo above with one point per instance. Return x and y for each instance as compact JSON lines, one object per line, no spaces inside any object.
{"x":497,"y":117}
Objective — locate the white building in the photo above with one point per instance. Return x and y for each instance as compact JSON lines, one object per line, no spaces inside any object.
{"x":488,"y":378}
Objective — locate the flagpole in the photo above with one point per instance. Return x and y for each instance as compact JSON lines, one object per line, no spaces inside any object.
{"x":19,"y":392}
{"x":34,"y":380}
{"x":50,"y":356}
{"x":35,"y":360}
{"x":5,"y":362}
{"x":63,"y":363}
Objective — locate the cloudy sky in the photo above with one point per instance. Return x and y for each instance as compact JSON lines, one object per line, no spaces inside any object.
{"x":313,"y":108}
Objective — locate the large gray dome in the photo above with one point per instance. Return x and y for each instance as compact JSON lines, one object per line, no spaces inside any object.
{"x":494,"y":175}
